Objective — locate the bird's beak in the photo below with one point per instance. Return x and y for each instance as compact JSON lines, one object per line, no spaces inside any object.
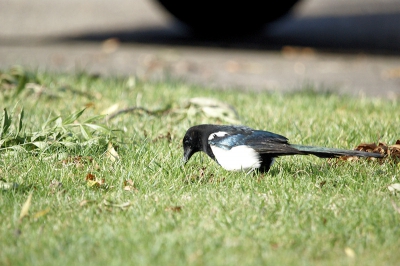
{"x":187,"y":153}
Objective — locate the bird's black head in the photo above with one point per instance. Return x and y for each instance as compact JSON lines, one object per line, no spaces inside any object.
{"x":196,"y":139}
{"x":192,"y":143}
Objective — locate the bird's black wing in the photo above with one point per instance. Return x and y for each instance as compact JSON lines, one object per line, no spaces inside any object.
{"x":263,"y":142}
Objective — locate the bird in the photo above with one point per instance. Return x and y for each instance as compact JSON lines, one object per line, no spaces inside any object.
{"x":237,"y":147}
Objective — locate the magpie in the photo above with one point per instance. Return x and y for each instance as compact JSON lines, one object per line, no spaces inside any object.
{"x":243,"y":148}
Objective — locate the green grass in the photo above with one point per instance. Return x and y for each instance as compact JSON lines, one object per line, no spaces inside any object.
{"x":305,"y":211}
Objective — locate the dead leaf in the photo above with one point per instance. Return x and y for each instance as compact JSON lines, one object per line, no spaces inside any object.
{"x":174,"y":208}
{"x":274,"y":245}
{"x":93,"y":181}
{"x":41,"y":213}
{"x":390,"y":152}
{"x":214,"y":109}
{"x":90,"y":105}
{"x":25,"y":207}
{"x":321,"y":184}
{"x":350,"y":252}
{"x":129,"y":186}
{"x":90,"y":176}
{"x":394,"y":187}
{"x":96,"y":183}
{"x":112,"y":109}
{"x":111,"y":153}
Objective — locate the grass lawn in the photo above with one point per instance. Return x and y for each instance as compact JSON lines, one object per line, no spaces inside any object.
{"x":112,"y":191}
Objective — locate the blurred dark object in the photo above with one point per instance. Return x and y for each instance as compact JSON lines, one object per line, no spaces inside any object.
{"x":223,"y":17}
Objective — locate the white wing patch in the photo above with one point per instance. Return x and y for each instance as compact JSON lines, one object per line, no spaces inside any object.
{"x":217,"y":134}
{"x":238,"y":158}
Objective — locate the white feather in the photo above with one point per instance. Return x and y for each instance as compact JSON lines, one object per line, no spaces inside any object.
{"x":238,"y":158}
{"x":217,"y":134}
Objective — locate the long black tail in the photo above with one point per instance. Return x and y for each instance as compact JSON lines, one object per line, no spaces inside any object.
{"x":323,"y":152}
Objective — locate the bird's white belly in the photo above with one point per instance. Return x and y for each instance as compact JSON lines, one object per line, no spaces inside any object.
{"x":238,"y":158}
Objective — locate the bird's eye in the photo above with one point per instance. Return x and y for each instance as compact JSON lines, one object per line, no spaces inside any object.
{"x":214,"y":136}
